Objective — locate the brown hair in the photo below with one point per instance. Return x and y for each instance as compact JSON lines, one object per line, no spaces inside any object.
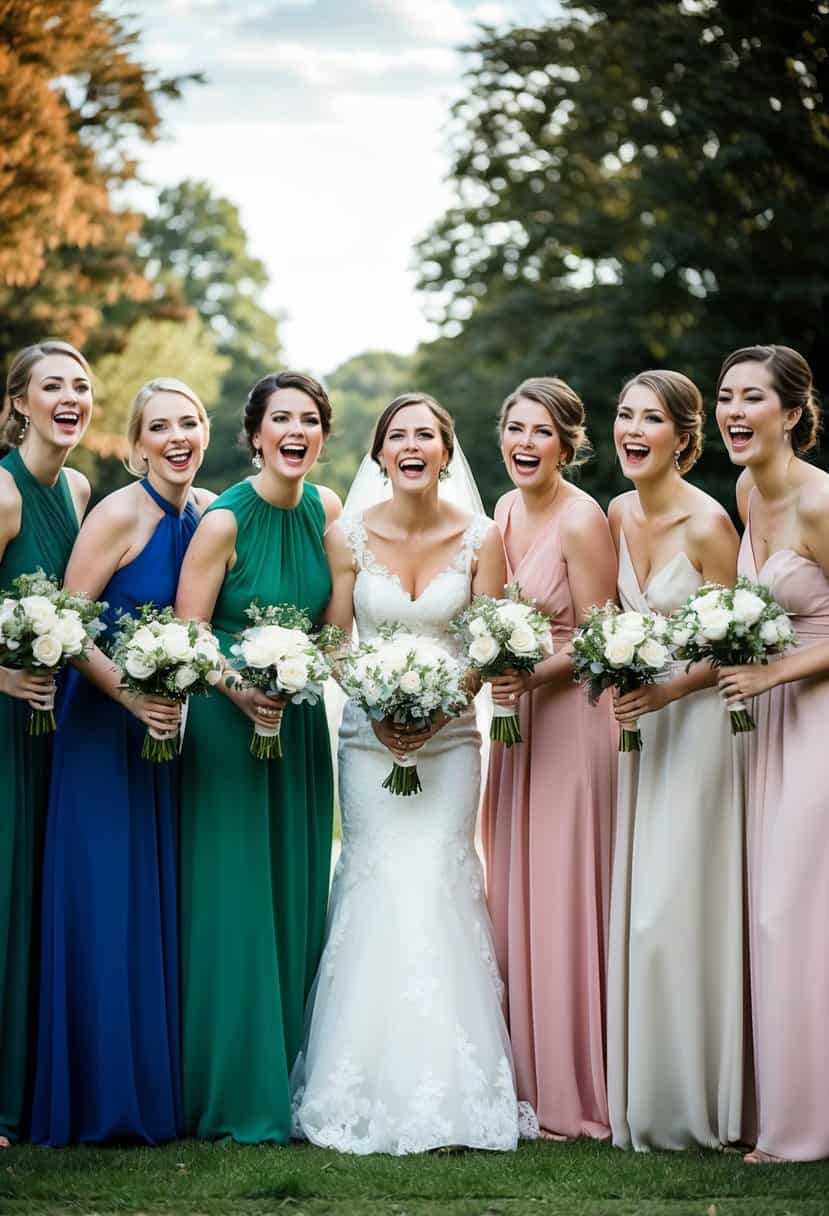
{"x":681,"y":398}
{"x":564,"y":406}
{"x":791,"y":378}
{"x":162,"y":384}
{"x":19,"y":375}
{"x":261,"y":392}
{"x":444,"y":419}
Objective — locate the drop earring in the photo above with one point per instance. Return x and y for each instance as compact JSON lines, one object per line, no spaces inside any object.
{"x":444,"y":473}
{"x":677,"y":455}
{"x":256,"y":459}
{"x":384,"y":474}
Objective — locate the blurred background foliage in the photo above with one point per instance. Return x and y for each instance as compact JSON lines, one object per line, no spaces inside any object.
{"x":636,"y":185}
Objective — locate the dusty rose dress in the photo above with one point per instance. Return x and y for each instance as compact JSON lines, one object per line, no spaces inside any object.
{"x":788,"y":877}
{"x":547,"y":831}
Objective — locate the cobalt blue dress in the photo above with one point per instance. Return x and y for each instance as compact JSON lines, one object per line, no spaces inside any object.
{"x":108,"y":1060}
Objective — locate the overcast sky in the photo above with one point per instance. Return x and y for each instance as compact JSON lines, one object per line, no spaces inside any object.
{"x":325,"y":122}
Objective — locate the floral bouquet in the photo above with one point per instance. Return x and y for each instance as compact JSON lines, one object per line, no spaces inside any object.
{"x":160,"y":655}
{"x":42,"y":628}
{"x":728,"y":627}
{"x":622,"y":650}
{"x":500,"y":635}
{"x":278,"y":655}
{"x":409,"y":679}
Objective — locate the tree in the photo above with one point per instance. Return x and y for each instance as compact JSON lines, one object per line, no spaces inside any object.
{"x":73,"y":101}
{"x":196,"y":255}
{"x":638,"y":185}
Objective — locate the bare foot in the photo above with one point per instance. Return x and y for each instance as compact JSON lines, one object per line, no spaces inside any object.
{"x":4,"y":1142}
{"x":758,"y":1157}
{"x":555,"y":1136}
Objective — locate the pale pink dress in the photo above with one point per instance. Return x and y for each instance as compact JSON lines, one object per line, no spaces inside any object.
{"x":547,"y":831}
{"x":788,"y":877}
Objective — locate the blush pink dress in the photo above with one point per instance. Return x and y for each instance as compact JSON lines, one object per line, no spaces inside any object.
{"x":788,"y":876}
{"x":547,"y":832}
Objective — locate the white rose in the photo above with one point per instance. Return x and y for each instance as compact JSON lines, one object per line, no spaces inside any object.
{"x":631,"y":625}
{"x":7,"y":611}
{"x":185,"y":676}
{"x":707,"y":600}
{"x":256,"y":653}
{"x":512,"y":613}
{"x":176,"y":641}
{"x":391,"y":660}
{"x":785,"y":628}
{"x":144,"y":638}
{"x":483,"y":650}
{"x":410,"y":682}
{"x":769,"y":633}
{"x":40,"y":611}
{"x":680,"y":635}
{"x":293,"y":673}
{"x":545,"y":643}
{"x":714,"y":622}
{"x":205,"y":648}
{"x":748,"y":607}
{"x":47,"y":649}
{"x":478,"y":627}
{"x":653,"y":653}
{"x":659,"y":626}
{"x":69,"y":631}
{"x":139,"y":666}
{"x":619,"y":650}
{"x":287,"y":643}
{"x":522,"y":640}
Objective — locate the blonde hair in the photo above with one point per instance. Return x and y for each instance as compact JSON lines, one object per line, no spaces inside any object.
{"x":682,"y":401}
{"x":161,"y":384}
{"x":564,"y":406}
{"x":19,"y":375}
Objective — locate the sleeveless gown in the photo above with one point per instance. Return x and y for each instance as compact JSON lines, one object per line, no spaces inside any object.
{"x":48,"y":529}
{"x":256,"y":850}
{"x":788,"y":875}
{"x":108,"y":1043}
{"x":675,"y":972}
{"x":406,"y":1047}
{"x":547,"y":830}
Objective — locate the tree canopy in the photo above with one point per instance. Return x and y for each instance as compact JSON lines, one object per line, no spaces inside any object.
{"x":637,"y":186}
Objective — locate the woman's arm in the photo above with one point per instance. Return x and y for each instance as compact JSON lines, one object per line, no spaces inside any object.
{"x":490,"y":574}
{"x":22,"y":685}
{"x":340,"y":609}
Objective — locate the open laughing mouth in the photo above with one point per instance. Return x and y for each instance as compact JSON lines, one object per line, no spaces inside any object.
{"x":67,"y":420}
{"x":739,"y":436}
{"x":411,"y":467}
{"x":525,"y":463}
{"x":179,"y":459}
{"x":293,"y":453}
{"x":636,"y":453}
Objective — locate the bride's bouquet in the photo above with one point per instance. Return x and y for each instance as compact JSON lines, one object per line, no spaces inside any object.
{"x":409,"y":679}
{"x":160,"y":655}
{"x":278,"y":655}
{"x":728,"y":627}
{"x":501,"y":635}
{"x":41,"y":628}
{"x":622,"y":650}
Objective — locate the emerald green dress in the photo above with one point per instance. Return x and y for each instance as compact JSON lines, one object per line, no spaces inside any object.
{"x":48,"y":528}
{"x":255,"y":849}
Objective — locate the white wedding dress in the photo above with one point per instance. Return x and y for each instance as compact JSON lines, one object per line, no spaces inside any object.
{"x":406,"y":1048}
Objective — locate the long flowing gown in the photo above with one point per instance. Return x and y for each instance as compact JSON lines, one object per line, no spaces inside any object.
{"x":406,"y":1047}
{"x":108,"y":1045}
{"x":547,"y":830}
{"x":48,"y":529}
{"x":255,"y":850}
{"x":676,"y":992}
{"x":788,"y":876}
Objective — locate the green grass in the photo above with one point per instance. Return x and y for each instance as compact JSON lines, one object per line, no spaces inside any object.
{"x":543,"y":1179}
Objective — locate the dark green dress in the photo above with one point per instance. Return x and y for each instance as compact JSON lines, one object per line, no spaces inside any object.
{"x":48,"y":528}
{"x":256,"y":846}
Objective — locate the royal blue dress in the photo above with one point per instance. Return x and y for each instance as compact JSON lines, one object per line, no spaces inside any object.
{"x":108,"y":1060}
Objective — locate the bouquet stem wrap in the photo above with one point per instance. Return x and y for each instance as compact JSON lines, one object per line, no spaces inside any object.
{"x":159,"y":746}
{"x":741,"y":719}
{"x":505,"y":727}
{"x":403,"y":778}
{"x":265,"y":742}
{"x":630,"y":739}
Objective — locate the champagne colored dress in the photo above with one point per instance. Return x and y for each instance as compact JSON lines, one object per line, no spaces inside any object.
{"x":547,"y":831}
{"x":675,"y":970}
{"x":48,"y":529}
{"x":255,"y":850}
{"x":788,"y":876}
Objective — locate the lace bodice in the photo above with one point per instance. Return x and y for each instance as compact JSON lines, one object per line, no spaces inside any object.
{"x":379,"y":596}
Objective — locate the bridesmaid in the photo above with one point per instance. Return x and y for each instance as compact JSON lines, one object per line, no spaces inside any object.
{"x":769,"y":419}
{"x":548,"y":808}
{"x":256,"y":835}
{"x":49,"y":404}
{"x":108,"y":1044}
{"x":675,"y":969}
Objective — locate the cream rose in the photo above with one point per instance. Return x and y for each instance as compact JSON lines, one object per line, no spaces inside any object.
{"x":545,"y":643}
{"x":707,"y":600}
{"x":653,"y":653}
{"x":747,"y":607}
{"x":293,"y":673}
{"x":484,"y":649}
{"x":714,"y":622}
{"x":630,"y":625}
{"x":47,"y":650}
{"x":185,"y":676}
{"x":410,"y":682}
{"x":40,"y":611}
{"x":522,"y":640}
{"x":478,"y":627}
{"x":659,"y":626}
{"x":619,"y":650}
{"x":139,"y":666}
{"x":69,"y":631}
{"x":176,"y":641}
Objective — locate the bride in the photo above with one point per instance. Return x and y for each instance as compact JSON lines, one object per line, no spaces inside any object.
{"x":406,"y":1047}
